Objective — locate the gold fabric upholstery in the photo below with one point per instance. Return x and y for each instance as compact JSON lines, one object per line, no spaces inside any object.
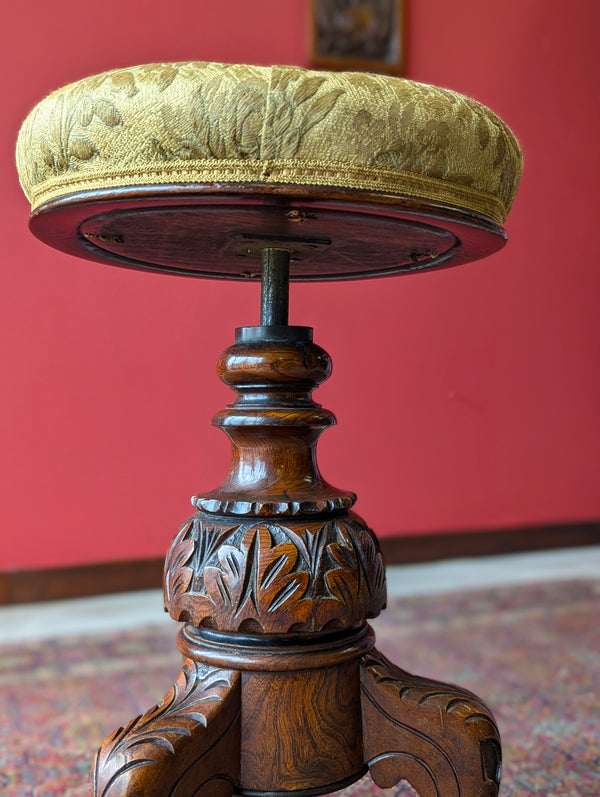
{"x":192,"y":123}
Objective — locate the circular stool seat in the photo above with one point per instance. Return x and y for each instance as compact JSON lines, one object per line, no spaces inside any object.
{"x":118,"y":167}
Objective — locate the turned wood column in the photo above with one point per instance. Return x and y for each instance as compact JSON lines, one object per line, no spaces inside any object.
{"x":274,"y":549}
{"x":275,"y":575}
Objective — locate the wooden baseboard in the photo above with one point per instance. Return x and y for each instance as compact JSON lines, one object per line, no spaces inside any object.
{"x":79,"y":581}
{"x":411,"y":549}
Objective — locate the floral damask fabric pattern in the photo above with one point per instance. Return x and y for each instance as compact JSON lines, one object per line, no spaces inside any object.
{"x":202,"y":122}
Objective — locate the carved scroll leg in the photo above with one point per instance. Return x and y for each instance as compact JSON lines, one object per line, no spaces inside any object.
{"x":442,"y":739}
{"x":187,"y":746}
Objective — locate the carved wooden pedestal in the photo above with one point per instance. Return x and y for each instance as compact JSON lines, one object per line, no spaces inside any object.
{"x":274,"y":576}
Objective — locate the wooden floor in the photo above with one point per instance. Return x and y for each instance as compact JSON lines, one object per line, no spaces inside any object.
{"x":127,"y":610}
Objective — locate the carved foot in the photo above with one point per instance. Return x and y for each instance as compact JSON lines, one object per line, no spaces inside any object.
{"x":187,"y":746}
{"x":441,"y":739}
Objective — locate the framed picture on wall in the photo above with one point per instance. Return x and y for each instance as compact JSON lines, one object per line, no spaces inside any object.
{"x":366,"y":35}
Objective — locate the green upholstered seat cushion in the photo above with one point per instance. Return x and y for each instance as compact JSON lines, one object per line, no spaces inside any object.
{"x":197,"y":123}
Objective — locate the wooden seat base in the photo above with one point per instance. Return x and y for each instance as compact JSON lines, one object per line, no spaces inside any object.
{"x":213,"y":232}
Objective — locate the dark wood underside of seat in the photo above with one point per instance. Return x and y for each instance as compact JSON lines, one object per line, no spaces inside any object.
{"x":208,"y":231}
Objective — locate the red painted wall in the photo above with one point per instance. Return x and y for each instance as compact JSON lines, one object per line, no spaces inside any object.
{"x":465,"y":399}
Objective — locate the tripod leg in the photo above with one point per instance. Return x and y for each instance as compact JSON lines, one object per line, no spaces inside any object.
{"x":442,"y":739}
{"x":188,"y":745}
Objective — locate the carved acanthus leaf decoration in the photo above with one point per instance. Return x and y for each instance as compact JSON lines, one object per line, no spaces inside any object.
{"x":307,"y":574}
{"x":169,"y":729}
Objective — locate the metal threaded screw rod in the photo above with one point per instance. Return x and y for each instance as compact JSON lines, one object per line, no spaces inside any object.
{"x":275,"y":287}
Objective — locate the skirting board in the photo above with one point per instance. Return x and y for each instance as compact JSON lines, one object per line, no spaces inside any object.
{"x":78,"y":581}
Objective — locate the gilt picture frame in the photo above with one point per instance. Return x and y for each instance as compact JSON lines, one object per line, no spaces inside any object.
{"x":362,"y":35}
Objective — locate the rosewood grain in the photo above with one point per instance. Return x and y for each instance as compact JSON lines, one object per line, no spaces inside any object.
{"x":312,"y":720}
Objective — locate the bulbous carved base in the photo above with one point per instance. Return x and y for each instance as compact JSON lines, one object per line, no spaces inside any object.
{"x":304,"y":575}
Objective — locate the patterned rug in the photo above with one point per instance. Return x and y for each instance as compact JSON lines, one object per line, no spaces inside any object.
{"x":532,"y":652}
